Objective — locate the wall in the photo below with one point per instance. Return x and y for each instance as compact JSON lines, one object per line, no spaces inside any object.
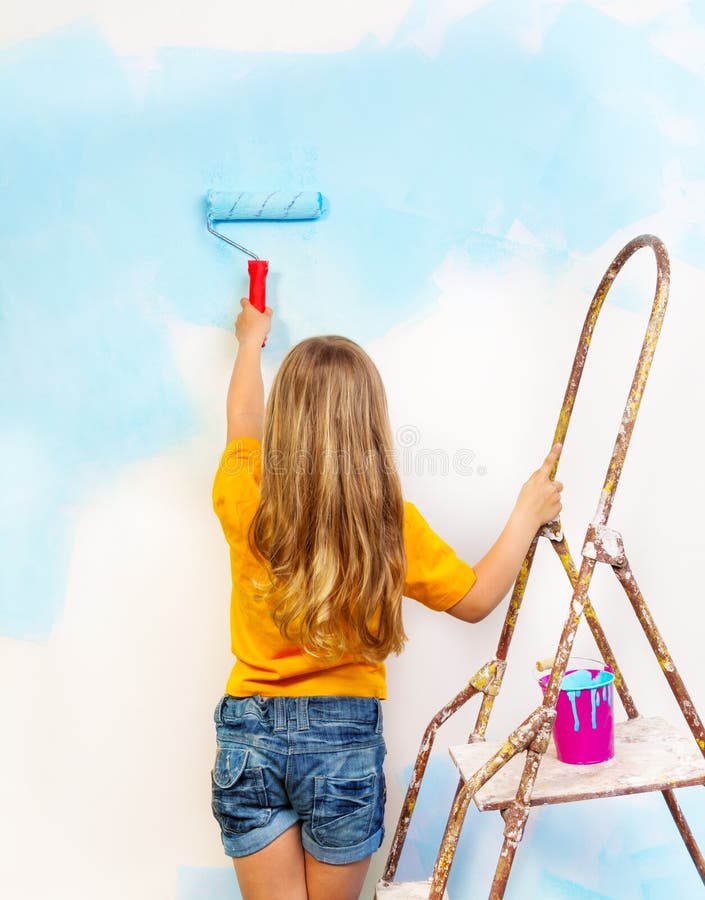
{"x":483,"y":161}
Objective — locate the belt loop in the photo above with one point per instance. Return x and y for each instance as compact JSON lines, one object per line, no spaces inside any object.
{"x":302,"y":714}
{"x":218,"y":711}
{"x":279,"y":713}
{"x":378,"y":729}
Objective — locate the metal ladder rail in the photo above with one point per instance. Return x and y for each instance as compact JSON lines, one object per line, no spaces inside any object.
{"x":535,"y":731}
{"x":517,"y":814}
{"x":490,"y":688}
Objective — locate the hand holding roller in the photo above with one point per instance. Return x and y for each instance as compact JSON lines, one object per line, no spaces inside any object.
{"x":258,"y":269}
{"x":275,"y":206}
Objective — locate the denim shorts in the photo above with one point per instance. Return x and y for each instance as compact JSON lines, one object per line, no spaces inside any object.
{"x":313,"y":760}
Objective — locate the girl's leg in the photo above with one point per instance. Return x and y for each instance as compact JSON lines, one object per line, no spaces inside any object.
{"x":277,"y":871}
{"x":329,"y":882}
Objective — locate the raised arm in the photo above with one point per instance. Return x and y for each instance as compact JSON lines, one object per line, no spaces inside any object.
{"x":245,"y":403}
{"x":539,"y":501}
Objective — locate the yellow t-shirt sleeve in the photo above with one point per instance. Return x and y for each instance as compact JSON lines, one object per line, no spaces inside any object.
{"x":236,"y":483}
{"x":435,"y":575}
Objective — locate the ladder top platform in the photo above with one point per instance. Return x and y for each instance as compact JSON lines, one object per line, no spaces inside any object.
{"x":649,"y":755}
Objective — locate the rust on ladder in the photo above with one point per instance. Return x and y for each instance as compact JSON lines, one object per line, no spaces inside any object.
{"x":602,"y":544}
{"x":521,"y":738}
{"x":665,"y":660}
{"x":486,"y":680}
{"x":598,"y":633}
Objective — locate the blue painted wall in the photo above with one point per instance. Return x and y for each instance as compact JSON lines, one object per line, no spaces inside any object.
{"x":102,"y":239}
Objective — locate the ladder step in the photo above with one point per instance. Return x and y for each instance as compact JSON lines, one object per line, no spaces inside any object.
{"x":404,"y":890}
{"x":649,"y":755}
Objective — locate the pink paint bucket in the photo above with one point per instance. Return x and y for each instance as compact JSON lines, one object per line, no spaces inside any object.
{"x":584,"y":728}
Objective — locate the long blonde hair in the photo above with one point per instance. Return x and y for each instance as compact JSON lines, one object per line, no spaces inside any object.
{"x":329,"y":524}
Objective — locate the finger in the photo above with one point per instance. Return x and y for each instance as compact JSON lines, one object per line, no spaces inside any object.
{"x":244,"y":302}
{"x":553,"y":455}
{"x":558,"y":485}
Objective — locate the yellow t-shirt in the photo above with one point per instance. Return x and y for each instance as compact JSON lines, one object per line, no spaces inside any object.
{"x":267,"y":664}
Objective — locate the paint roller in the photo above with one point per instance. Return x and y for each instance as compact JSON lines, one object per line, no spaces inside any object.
{"x":275,"y":206}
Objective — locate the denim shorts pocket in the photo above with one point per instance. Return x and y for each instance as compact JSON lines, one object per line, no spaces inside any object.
{"x":239,"y":800}
{"x":343,"y":809}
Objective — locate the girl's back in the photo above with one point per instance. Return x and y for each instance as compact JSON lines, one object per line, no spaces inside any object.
{"x":322,"y":549}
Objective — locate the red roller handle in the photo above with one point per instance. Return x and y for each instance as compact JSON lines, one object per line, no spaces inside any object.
{"x":258,"y":269}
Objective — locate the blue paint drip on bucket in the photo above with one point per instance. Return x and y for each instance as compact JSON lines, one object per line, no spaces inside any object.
{"x":585,"y":697}
{"x":583,"y":679}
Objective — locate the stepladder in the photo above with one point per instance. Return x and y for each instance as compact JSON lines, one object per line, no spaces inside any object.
{"x":521,"y":772}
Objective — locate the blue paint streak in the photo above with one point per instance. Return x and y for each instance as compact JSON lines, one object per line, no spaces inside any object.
{"x":206,"y":883}
{"x":576,"y":720}
{"x":579,"y":850}
{"x":103,"y":232}
{"x":602,"y":850}
{"x":557,"y":888}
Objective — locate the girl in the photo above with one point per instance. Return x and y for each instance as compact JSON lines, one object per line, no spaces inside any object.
{"x":322,"y":548}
